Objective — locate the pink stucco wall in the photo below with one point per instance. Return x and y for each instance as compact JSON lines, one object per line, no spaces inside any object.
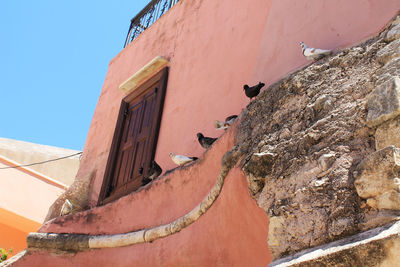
{"x":212,"y":47}
{"x":224,"y":236}
{"x":328,"y":24}
{"x":232,"y":232}
{"x":160,"y":202}
{"x":215,"y":47}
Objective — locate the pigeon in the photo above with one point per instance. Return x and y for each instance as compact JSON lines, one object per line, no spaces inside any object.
{"x":313,"y":53}
{"x":181,"y":160}
{"x":66,"y":208}
{"x":254,"y":90}
{"x":154,"y":171}
{"x":223,"y":125}
{"x":205,"y":142}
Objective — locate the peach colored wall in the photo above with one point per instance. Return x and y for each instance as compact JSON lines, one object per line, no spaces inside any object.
{"x":25,"y":194}
{"x":21,"y":152}
{"x":25,"y":197}
{"x":14,"y":229}
{"x":215,"y":47}
{"x":12,"y":238}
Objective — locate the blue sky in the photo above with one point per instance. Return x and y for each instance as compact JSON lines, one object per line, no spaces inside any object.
{"x":54,"y":58}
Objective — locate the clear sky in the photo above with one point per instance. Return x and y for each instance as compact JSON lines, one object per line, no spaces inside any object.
{"x":54,"y":58}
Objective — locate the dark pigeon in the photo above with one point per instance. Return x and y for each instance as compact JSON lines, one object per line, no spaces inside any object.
{"x":253,"y":91}
{"x":205,"y":142}
{"x":154,"y":171}
{"x":233,"y":117}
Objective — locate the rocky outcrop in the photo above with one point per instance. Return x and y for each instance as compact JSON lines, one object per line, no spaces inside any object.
{"x":310,"y":143}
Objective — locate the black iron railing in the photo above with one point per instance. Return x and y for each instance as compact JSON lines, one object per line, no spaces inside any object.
{"x":152,"y":12}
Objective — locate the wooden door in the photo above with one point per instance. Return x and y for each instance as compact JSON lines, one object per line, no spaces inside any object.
{"x":135,"y":139}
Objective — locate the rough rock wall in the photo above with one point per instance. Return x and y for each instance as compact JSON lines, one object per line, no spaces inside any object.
{"x":310,"y":143}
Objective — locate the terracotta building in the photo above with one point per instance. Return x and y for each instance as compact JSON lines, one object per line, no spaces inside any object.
{"x":172,"y":80}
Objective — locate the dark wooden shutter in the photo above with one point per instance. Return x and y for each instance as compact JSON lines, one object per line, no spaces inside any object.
{"x":135,"y":139}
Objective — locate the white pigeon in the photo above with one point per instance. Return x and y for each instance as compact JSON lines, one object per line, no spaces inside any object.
{"x":66,"y":208}
{"x":223,"y":125}
{"x":313,"y":53}
{"x":181,"y":160}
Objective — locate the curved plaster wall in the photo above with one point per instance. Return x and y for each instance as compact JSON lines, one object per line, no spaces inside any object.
{"x":158,"y":203}
{"x":232,"y":232}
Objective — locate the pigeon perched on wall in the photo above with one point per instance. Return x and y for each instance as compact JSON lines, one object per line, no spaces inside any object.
{"x":223,"y":125}
{"x":313,"y":53}
{"x":66,"y":208}
{"x":253,"y":91}
{"x":181,"y":160}
{"x":205,"y":142}
{"x":154,"y":171}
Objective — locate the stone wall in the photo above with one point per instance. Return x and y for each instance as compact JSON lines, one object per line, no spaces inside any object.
{"x":320,"y":146}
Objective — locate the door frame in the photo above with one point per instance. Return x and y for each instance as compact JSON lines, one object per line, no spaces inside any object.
{"x":162,"y":77}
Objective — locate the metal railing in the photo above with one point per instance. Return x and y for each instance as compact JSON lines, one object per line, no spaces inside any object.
{"x":152,"y":12}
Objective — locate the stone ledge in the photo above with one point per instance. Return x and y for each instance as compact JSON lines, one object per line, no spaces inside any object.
{"x":376,"y":247}
{"x":11,"y":261}
{"x":384,"y":102}
{"x":143,"y":74}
